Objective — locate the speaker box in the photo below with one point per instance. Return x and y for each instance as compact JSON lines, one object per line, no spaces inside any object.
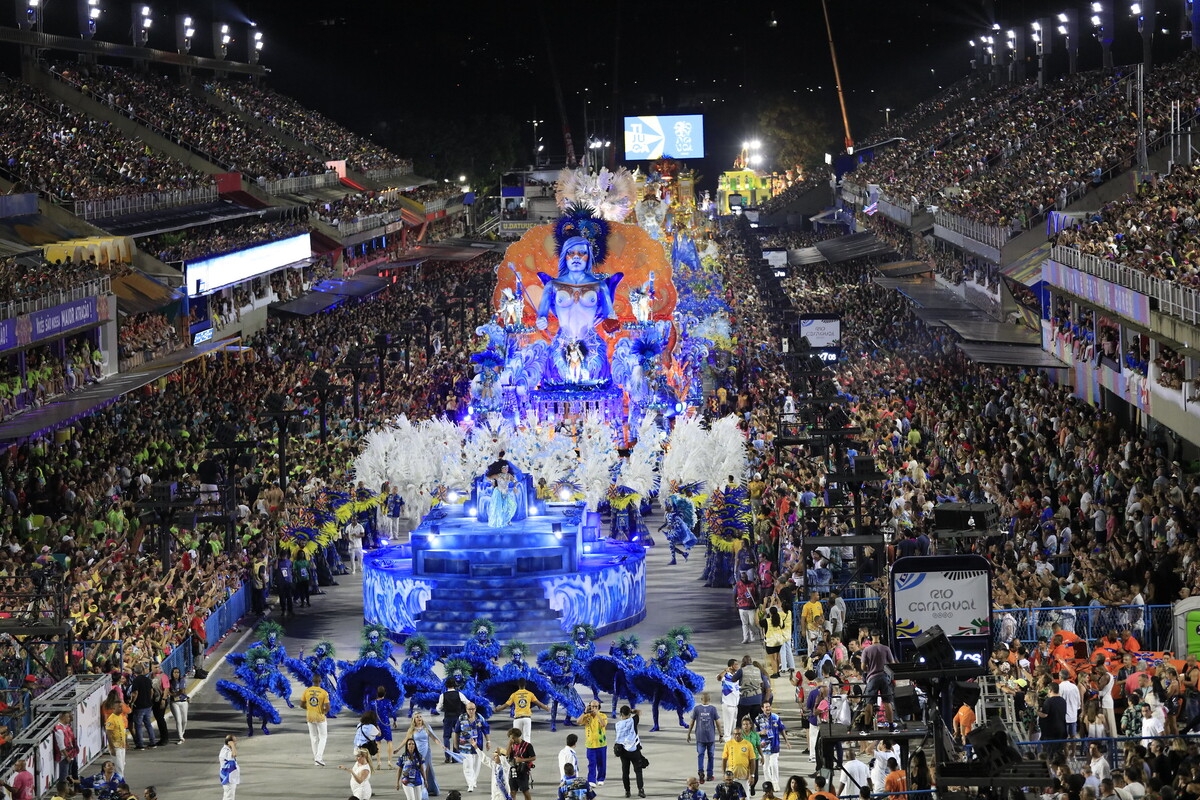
{"x":907,"y":704}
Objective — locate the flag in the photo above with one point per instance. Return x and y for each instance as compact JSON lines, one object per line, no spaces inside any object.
{"x":871,"y":209}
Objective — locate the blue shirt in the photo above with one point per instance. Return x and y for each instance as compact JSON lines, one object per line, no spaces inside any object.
{"x":471,"y":733}
{"x":627,"y":735}
{"x":770,"y":730}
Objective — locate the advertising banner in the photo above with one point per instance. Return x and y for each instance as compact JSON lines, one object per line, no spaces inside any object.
{"x":825,"y":332}
{"x":958,"y":601}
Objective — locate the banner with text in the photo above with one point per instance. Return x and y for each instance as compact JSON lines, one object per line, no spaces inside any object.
{"x":958,"y":601}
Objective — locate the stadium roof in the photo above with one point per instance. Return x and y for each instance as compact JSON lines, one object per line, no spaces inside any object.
{"x":1010,"y":355}
{"x":856,"y":245}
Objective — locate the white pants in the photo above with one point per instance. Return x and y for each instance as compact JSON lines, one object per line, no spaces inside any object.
{"x":472,"y":764}
{"x":356,"y":559}
{"x":1111,"y":719}
{"x":749,"y":623}
{"x":524,"y":725}
{"x":770,"y":768}
{"x":745,"y":782}
{"x":813,"y":638}
{"x":813,"y":730}
{"x":118,"y":757}
{"x":180,"y":712}
{"x":318,"y":734}
{"x":411,"y":792}
{"x":728,"y":720}
{"x":787,"y":656}
{"x":228,"y":790}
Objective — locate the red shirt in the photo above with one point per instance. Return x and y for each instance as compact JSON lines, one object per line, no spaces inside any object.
{"x":22,"y":785}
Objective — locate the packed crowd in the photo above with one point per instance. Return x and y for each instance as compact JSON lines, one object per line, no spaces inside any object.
{"x":1014,"y":152}
{"x":304,"y":124}
{"x":29,"y":276}
{"x":1154,"y":229}
{"x":71,"y":156}
{"x":148,"y":335}
{"x":214,"y":240}
{"x":187,"y":119}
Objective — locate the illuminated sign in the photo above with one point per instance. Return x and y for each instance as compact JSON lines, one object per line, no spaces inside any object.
{"x":210,"y":274}
{"x":958,"y":601}
{"x":203,"y":336}
{"x":821,"y":331}
{"x":652,"y":138}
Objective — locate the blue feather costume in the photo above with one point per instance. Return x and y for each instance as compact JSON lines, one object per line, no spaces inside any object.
{"x":558,"y":665}
{"x":269,"y":635}
{"x":258,"y":675}
{"x":585,"y":650}
{"x":614,"y":672}
{"x":421,"y":685}
{"x":460,"y":671}
{"x":505,"y":680}
{"x":663,"y":681}
{"x":359,"y":682}
{"x":322,"y":664}
{"x":481,"y":650}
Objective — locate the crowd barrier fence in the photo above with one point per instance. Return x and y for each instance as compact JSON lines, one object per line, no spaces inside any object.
{"x":1173,"y":298}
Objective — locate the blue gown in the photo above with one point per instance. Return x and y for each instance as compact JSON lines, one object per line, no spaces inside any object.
{"x":421,"y":737}
{"x":502,"y":506}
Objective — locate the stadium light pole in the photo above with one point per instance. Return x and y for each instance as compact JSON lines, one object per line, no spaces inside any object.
{"x":89,"y":12}
{"x":1145,"y":13}
{"x":256,"y":44}
{"x":143,"y":21}
{"x":29,"y":15}
{"x":185,"y":33}
{"x":1068,"y":28}
{"x":221,"y":40}
{"x":537,"y":143}
{"x":1102,"y":25}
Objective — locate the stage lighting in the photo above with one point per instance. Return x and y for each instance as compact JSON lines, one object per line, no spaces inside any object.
{"x":935,"y":648}
{"x":587,"y":548}
{"x":1062,"y":17}
{"x":557,"y":529}
{"x":1096,"y":20}
{"x":1097,"y":7}
{"x":1135,"y":9}
{"x":472,"y":511}
{"x":452,"y":497}
{"x":564,"y":494}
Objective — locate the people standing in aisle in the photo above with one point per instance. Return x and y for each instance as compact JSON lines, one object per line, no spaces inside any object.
{"x":693,"y":791}
{"x":568,"y":756}
{"x":355,"y":532}
{"x":360,"y":775}
{"x":595,"y":737}
{"x":66,"y":750}
{"x":738,"y":759}
{"x":451,"y":706}
{"x":283,"y":579}
{"x":420,"y":732}
{"x":410,"y":770}
{"x":731,"y":697}
{"x":521,"y":758}
{"x":747,"y":606}
{"x":179,"y":702}
{"x":730,"y":789}
{"x":316,"y":709}
{"x":628,"y":748}
{"x":706,"y":724}
{"x":472,"y":742}
{"x":773,"y":734}
{"x":230,"y":773}
{"x":367,"y":734}
{"x":117,"y":734}
{"x":160,"y":695}
{"x":142,"y":699}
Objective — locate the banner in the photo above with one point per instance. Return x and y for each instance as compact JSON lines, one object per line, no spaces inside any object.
{"x":45,"y":773}
{"x":823,"y":332}
{"x":51,"y":322}
{"x":957,"y":601}
{"x":89,"y":732}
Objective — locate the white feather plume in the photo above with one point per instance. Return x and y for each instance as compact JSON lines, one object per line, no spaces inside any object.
{"x":640,"y":471}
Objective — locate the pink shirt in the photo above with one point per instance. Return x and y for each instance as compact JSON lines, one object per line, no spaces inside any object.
{"x":22,"y":785}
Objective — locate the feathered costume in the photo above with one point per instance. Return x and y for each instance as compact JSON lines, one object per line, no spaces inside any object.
{"x":421,"y":685}
{"x":582,"y":639}
{"x":481,"y":650}
{"x":359,"y":681}
{"x":558,"y":664}
{"x":661,"y":681}
{"x":728,"y":520}
{"x":682,"y":636}
{"x":270,"y":638}
{"x":460,"y":670}
{"x":613,"y":672}
{"x":681,"y":516}
{"x":505,"y":680}
{"x":258,"y":675}
{"x":322,"y":664}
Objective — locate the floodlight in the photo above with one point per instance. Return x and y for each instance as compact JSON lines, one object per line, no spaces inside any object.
{"x":226,"y":39}
{"x":1062,"y":17}
{"x":1096,"y":20}
{"x":1097,"y":7}
{"x":145,"y":11}
{"x":258,"y":45}
{"x":1011,"y":34}
{"x":756,"y":144}
{"x":189,"y":32}
{"x":1135,"y":9}
{"x":1037,"y":26}
{"x":258,"y":36}
{"x":970,"y":42}
{"x":147,"y":22}
{"x":187,"y":21}
{"x":224,"y":29}
{"x":1062,"y":29}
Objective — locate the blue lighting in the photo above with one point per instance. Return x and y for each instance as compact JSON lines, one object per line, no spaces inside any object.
{"x":472,"y":511}
{"x":587,"y":548}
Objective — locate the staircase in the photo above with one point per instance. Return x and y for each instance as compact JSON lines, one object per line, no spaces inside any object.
{"x":454,"y":604}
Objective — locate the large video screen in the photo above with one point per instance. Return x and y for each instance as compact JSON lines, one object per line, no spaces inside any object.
{"x":216,"y":273}
{"x":652,"y":138}
{"x":824,"y":331}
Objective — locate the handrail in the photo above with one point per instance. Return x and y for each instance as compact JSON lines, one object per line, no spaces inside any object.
{"x":391,"y":173}
{"x":300,"y":183}
{"x":150,"y":201}
{"x":991,"y":235}
{"x":1174,"y":299}
{"x":95,"y":287}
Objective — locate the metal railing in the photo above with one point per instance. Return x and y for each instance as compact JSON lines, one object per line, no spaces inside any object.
{"x":861,"y":612}
{"x":1151,"y":625}
{"x":300,"y":183}
{"x":991,"y":235}
{"x":97,"y":647}
{"x":1174,"y":299}
{"x":150,"y":201}
{"x":901,"y":211}
{"x":391,"y":173}
{"x":369,"y":222}
{"x":180,"y":656}
{"x":225,"y":616}
{"x":1077,"y":749}
{"x":95,"y":287}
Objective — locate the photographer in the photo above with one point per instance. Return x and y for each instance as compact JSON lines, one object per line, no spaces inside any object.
{"x":520,"y":757}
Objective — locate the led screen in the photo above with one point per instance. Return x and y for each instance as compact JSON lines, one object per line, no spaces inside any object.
{"x":221,"y":271}
{"x":652,"y":138}
{"x":824,"y":332}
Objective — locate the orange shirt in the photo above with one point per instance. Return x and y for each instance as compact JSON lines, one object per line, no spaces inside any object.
{"x":1131,"y":645}
{"x":964,"y":720}
{"x":1069,"y":636}
{"x":896,"y":782}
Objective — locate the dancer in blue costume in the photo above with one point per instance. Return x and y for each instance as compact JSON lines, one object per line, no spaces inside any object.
{"x":661,"y":681}
{"x":320,"y":663}
{"x":481,"y":650}
{"x":258,"y":675}
{"x":682,"y":635}
{"x":359,"y":682}
{"x":614,"y":672}
{"x":270,"y":638}
{"x":460,"y":670}
{"x":558,"y":664}
{"x":502,"y":500}
{"x":503,"y":682}
{"x":420,"y":684}
{"x":583,"y":640}
{"x":681,"y":516}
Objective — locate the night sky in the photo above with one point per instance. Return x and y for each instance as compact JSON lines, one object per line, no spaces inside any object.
{"x":374,"y":65}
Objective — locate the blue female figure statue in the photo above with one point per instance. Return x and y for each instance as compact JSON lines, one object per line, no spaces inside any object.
{"x":258,"y":675}
{"x":502,"y":505}
{"x":579,"y":299}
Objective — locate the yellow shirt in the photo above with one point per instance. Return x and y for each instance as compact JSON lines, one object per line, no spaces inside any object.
{"x":316,"y":703}
{"x":594,"y":733}
{"x":810,"y":614}
{"x":114,"y":726}
{"x":738,"y":755}
{"x":522,"y":702}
